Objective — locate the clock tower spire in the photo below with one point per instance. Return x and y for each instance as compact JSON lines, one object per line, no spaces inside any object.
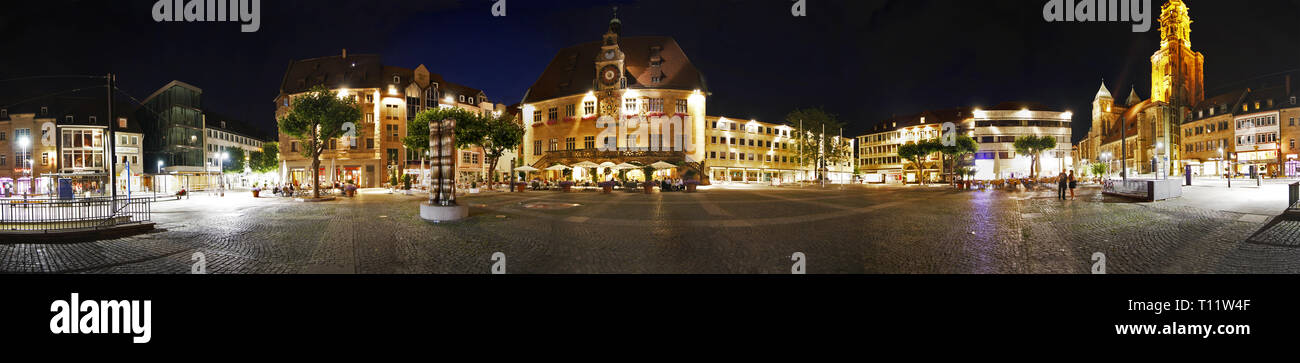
{"x":610,"y":68}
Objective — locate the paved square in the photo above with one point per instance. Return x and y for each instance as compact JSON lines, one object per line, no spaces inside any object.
{"x":852,"y":229}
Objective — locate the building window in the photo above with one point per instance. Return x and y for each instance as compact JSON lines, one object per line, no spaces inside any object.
{"x":397,"y":80}
{"x":370,"y":98}
{"x":568,"y":143}
{"x":4,"y":112}
{"x":537,"y":147}
{"x":2,"y":136}
{"x":462,"y":98}
{"x":629,"y":105}
{"x":370,"y":143}
{"x":589,"y":142}
{"x":554,"y":145}
{"x":3,"y":160}
{"x":553,"y":113}
{"x":589,"y":108}
{"x":293,"y":146}
{"x":570,"y":110}
{"x":656,"y":105}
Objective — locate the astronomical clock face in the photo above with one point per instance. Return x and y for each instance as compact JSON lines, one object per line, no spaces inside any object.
{"x":609,"y":75}
{"x":609,"y":54}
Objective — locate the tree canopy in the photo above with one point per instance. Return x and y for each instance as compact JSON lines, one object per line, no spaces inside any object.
{"x":317,"y":116}
{"x":234,"y":163}
{"x":1033,"y":146}
{"x":267,"y":160}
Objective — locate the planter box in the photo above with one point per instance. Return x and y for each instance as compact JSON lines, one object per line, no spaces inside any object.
{"x":649,"y":188}
{"x":521,"y":187}
{"x":607,"y":189}
{"x":690,"y":188}
{"x":256,"y":193}
{"x":566,"y":188}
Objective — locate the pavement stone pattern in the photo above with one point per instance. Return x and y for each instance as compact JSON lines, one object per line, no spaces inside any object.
{"x":747,"y":230}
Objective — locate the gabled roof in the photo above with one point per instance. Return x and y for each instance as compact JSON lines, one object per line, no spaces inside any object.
{"x":573,"y":70}
{"x":351,"y":71}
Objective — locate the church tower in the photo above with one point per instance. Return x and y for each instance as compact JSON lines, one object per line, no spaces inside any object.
{"x":1101,"y":109}
{"x":1177,"y":72}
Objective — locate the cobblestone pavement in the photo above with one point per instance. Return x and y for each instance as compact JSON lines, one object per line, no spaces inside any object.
{"x":851,"y":229}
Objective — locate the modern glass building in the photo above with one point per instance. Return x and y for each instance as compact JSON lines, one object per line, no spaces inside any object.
{"x":173,"y":123}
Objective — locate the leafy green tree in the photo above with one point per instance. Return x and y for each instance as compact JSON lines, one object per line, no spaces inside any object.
{"x":1034,"y":146}
{"x":315,"y":118}
{"x":267,"y":160}
{"x":1100,"y":170}
{"x":955,"y":154}
{"x":816,"y":138}
{"x":234,"y":162}
{"x":500,"y":133}
{"x":916,"y":153}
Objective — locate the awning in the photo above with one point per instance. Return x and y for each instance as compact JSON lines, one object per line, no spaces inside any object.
{"x":662,"y":165}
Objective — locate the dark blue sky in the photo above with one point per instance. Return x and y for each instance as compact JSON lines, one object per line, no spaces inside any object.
{"x":863,"y":60}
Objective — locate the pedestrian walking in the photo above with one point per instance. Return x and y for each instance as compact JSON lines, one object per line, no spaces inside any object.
{"x":1073,"y":184}
{"x":1061,"y":184}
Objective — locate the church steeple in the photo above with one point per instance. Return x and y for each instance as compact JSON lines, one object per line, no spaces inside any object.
{"x":1103,"y":93}
{"x":1133,"y":98}
{"x":1175,"y":24}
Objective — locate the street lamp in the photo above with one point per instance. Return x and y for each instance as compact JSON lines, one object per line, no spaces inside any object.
{"x":23,"y":143}
{"x":221,"y":167}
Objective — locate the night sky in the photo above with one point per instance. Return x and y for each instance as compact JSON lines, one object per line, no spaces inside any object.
{"x":863,"y":60}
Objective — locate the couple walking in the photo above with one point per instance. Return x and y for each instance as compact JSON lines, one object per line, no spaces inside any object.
{"x":1064,"y":182}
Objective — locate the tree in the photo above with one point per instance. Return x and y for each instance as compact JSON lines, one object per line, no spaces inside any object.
{"x":500,"y":133}
{"x":235,"y":161}
{"x":916,"y":153}
{"x":1034,"y":146}
{"x":952,"y":156}
{"x":417,"y":135}
{"x":816,"y":140}
{"x":316,"y":117}
{"x":1099,"y":170}
{"x":267,"y":160}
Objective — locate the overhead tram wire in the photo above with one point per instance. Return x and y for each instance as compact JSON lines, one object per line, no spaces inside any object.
{"x":52,"y":95}
{"x":52,"y":76}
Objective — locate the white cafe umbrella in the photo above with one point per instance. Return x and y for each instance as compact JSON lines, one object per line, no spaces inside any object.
{"x":585,"y":164}
{"x":557,"y":167}
{"x":662,"y":165}
{"x":607,"y":165}
{"x":625,"y":166}
{"x":526,"y":169}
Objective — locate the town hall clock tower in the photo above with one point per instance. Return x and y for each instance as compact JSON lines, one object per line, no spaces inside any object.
{"x":609,"y":70}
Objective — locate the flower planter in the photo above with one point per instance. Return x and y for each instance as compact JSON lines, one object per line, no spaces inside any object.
{"x":565,"y":188}
{"x":607,"y":189}
{"x":256,"y":193}
{"x":649,"y":188}
{"x":520,"y":187}
{"x":690,"y":188}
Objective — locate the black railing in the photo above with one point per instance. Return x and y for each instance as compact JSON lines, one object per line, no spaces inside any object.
{"x":82,"y":213}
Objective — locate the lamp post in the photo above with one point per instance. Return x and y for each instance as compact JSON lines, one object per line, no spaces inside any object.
{"x":221,"y":177}
{"x":156,"y":180}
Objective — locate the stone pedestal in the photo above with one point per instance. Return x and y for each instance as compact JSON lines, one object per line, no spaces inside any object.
{"x":439,"y":213}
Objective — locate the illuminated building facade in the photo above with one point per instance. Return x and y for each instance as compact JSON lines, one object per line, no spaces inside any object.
{"x":740,"y":151}
{"x":626,"y":81}
{"x":1250,"y":127}
{"x":877,"y":156}
{"x":389,"y":97}
{"x":1143,"y":137}
{"x":998,"y":127}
